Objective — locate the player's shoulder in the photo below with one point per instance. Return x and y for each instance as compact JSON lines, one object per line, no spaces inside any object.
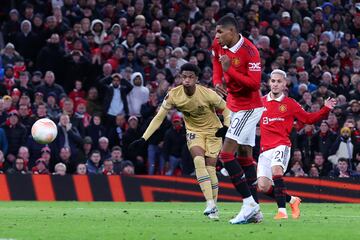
{"x":175,"y":91}
{"x":250,"y":48}
{"x":291,"y":101}
{"x":208,"y":92}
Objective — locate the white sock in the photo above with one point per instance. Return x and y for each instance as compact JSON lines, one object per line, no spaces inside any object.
{"x":249,"y":201}
{"x":210,"y":203}
{"x":283,"y":210}
{"x":292,"y":200}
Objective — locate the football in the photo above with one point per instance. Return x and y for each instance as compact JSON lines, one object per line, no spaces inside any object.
{"x":44,"y":131}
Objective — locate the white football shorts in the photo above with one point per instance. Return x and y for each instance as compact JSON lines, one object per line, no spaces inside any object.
{"x":243,"y":126}
{"x":278,"y":156}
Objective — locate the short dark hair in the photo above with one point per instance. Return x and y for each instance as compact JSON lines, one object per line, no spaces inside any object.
{"x":95,"y":152}
{"x":228,"y":20}
{"x":191,"y":68}
{"x":343,"y":160}
{"x":116,"y":148}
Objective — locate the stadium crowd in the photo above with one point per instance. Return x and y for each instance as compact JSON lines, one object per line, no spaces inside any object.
{"x":100,"y":69}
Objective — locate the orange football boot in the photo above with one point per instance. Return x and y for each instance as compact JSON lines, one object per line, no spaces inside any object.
{"x":281,"y":215}
{"x":295,"y":208}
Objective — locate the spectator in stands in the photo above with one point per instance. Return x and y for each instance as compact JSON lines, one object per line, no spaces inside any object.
{"x":323,"y":139}
{"x":66,"y":158}
{"x":50,"y":85}
{"x":174,"y":141}
{"x":93,"y":165}
{"x":138,"y":95}
{"x":3,"y":142}
{"x":342,"y":169}
{"x":60,"y":169}
{"x":127,"y":168}
{"x":108,"y":167}
{"x":115,"y":101}
{"x":16,"y":134}
{"x":95,"y":130}
{"x":76,"y":121}
{"x":85,"y":150}
{"x":116,"y":157}
{"x":313,"y":172}
{"x":103,"y":147}
{"x":19,"y":167}
{"x":93,"y":102}
{"x":68,"y":135}
{"x":322,"y":164}
{"x":342,"y":147}
{"x":81,"y":169}
{"x":40,"y":167}
{"x":51,"y":58}
{"x":24,"y":154}
{"x":296,"y":169}
{"x":46,"y":156}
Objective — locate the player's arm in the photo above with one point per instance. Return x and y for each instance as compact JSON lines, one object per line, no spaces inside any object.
{"x":224,"y":111}
{"x":252,"y":77}
{"x":217,"y":69}
{"x":311,"y":118}
{"x":155,"y":123}
{"x":220,"y":104}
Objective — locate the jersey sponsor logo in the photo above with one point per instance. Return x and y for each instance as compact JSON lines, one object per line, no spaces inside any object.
{"x":255,"y":67}
{"x":267,"y":120}
{"x":201,"y":109}
{"x":235,"y":62}
{"x":282,"y":108}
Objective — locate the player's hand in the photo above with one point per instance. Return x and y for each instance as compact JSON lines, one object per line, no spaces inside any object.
{"x":137,"y":144}
{"x":330,"y":103}
{"x":225,"y":62}
{"x":221,"y":132}
{"x":219,"y":89}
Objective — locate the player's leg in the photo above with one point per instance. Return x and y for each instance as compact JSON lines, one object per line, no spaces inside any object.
{"x":243,"y":130}
{"x":249,"y":208}
{"x":213,"y":147}
{"x":196,"y":145}
{"x":210,"y":167}
{"x":279,"y":161}
{"x":244,"y":156}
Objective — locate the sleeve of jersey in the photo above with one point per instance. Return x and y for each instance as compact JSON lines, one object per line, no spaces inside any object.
{"x":309,"y":118}
{"x":220,"y":104}
{"x":155,"y":123}
{"x":251,"y":78}
{"x":217,"y":69}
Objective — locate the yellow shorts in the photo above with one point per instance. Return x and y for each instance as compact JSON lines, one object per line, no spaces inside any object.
{"x":207,"y":141}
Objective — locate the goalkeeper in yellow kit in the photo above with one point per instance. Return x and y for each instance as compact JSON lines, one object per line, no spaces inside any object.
{"x":203,"y":129}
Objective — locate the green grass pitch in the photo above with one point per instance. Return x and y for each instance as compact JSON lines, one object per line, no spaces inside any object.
{"x":135,"y":220}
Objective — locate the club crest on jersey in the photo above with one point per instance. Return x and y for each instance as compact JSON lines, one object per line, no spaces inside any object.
{"x":255,"y":67}
{"x":235,"y":62}
{"x":282,"y":108}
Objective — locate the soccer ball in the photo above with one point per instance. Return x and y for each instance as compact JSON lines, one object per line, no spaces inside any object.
{"x":44,"y":131}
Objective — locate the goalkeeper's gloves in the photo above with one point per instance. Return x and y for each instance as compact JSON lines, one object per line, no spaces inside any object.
{"x":137,"y":144}
{"x":221,"y":132}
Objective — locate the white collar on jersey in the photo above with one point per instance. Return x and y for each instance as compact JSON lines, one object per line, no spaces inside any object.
{"x":279,"y":99}
{"x":237,"y":46}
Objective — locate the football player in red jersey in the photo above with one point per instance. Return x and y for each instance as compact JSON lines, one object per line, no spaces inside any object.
{"x":275,"y":127}
{"x":237,"y":60}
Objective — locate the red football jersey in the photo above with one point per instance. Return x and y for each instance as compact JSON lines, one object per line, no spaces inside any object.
{"x":243,"y":76}
{"x":278,"y":118}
